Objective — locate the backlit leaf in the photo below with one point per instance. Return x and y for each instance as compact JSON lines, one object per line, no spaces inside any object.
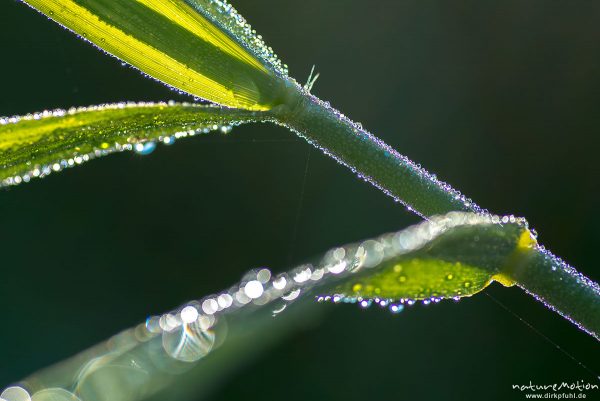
{"x":201,"y":47}
{"x":38,"y":144}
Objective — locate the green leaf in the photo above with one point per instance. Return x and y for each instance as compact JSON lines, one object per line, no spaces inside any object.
{"x":200,"y":47}
{"x":38,"y":144}
{"x":182,"y":353}
{"x":471,"y":252}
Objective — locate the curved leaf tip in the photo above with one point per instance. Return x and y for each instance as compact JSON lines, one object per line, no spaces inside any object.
{"x":38,"y":144}
{"x":453,"y":256}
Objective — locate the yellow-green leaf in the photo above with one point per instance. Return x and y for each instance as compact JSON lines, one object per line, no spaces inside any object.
{"x":203,"y":47}
{"x":37,"y":144}
{"x":457,"y":256}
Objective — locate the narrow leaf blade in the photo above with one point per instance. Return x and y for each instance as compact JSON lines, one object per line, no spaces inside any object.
{"x":177,"y":42}
{"x":37,"y":144}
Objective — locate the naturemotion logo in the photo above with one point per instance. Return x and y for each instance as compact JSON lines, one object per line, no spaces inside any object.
{"x":556,"y":391}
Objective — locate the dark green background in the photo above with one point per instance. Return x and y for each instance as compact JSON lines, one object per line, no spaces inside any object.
{"x":498,"y":98}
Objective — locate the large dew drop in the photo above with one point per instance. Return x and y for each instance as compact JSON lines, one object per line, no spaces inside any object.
{"x":145,"y":148}
{"x":189,"y":342}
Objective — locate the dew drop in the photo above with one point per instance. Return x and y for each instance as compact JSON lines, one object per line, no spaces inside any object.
{"x":291,"y":295}
{"x":396,"y":308}
{"x":189,"y":342}
{"x":153,"y":324}
{"x":189,"y":314}
{"x":263,"y":275}
{"x":253,"y":289}
{"x":210,"y":306}
{"x":225,"y":300}
{"x":144,"y":148}
{"x":279,"y":283}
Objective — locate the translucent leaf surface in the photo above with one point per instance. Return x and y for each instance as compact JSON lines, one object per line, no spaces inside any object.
{"x":38,"y":144}
{"x":179,"y":354}
{"x":200,"y":47}
{"x":461,"y":262}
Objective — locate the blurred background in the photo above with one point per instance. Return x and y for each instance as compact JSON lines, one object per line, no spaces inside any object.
{"x":500,"y":99}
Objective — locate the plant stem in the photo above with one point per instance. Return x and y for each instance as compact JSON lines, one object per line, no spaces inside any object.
{"x":561,"y":288}
{"x":371,"y":158}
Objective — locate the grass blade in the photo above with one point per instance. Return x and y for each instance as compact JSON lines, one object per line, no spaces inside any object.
{"x":38,"y":144}
{"x":198,"y":47}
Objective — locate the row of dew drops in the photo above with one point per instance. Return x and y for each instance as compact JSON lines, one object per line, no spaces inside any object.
{"x":360,"y":132}
{"x":225,"y":15}
{"x":137,"y":145}
{"x":190,"y":332}
{"x":186,"y":332}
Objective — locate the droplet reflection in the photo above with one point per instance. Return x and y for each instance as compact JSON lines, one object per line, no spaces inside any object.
{"x":145,"y":148}
{"x":189,"y":342}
